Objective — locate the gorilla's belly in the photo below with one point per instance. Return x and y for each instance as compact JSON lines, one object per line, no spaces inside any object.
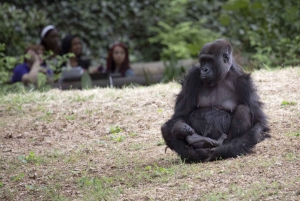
{"x":210,"y":122}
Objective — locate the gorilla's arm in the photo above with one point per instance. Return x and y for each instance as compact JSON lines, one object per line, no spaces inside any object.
{"x":186,"y":102}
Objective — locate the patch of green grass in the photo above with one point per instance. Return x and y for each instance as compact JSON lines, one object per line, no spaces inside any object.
{"x":161,"y":143}
{"x":89,"y":112}
{"x":133,"y":134}
{"x":115,"y":134}
{"x":47,"y":116}
{"x":31,"y":158}
{"x":54,"y":154}
{"x":216,"y":196}
{"x":287,"y":103}
{"x":293,"y":134}
{"x":46,"y":192}
{"x":250,"y":191}
{"x":70,"y":117}
{"x":15,"y":107}
{"x":115,"y":129}
{"x":101,"y":143}
{"x":135,"y":146}
{"x":155,"y":170}
{"x":117,"y":138}
{"x":112,"y":94}
{"x":71,"y":159}
{"x":52,"y":193}
{"x":291,"y":156}
{"x":18,"y":177}
{"x":78,"y":98}
{"x":98,"y":188}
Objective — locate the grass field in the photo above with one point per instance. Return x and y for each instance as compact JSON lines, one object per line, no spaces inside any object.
{"x":105,"y":144}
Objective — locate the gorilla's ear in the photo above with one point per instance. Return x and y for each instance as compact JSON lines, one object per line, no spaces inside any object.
{"x":226,"y":58}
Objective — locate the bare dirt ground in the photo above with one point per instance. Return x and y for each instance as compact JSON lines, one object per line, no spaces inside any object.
{"x":105,"y":144}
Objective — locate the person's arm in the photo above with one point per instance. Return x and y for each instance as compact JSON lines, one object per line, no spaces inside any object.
{"x":32,"y":76}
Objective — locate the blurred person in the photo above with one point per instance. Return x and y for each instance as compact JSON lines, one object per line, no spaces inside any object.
{"x":50,"y":40}
{"x":27,"y":72}
{"x":118,"y":61}
{"x":72,"y":44}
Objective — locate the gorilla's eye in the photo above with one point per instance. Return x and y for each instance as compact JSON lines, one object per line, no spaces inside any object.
{"x":225,"y":58}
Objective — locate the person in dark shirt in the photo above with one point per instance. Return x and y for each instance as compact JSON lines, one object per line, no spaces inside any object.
{"x":72,"y":44}
{"x":118,"y":61}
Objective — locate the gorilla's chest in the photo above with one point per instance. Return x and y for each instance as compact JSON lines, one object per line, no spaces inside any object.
{"x":221,"y":96}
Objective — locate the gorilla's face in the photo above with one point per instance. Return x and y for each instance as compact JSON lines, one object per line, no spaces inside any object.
{"x":215,"y":60}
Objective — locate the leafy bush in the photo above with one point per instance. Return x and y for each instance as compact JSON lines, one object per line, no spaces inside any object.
{"x":154,"y":29}
{"x":7,"y":64}
{"x":184,"y":39}
{"x":268,"y":29}
{"x":173,"y":69}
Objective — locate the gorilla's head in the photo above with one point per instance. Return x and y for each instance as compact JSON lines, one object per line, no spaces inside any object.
{"x":215,"y":60}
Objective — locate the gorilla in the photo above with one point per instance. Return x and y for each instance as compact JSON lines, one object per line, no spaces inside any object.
{"x":218,"y":113}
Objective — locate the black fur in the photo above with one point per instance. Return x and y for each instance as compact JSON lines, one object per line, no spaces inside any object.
{"x":245,"y":126}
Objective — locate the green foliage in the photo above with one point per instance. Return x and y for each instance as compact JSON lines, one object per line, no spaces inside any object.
{"x":86,"y":81}
{"x":99,"y":24}
{"x":148,"y":76}
{"x":7,"y":64}
{"x":154,"y":29}
{"x":184,"y":39}
{"x":173,"y":70}
{"x":268,"y":29}
{"x":19,"y":27}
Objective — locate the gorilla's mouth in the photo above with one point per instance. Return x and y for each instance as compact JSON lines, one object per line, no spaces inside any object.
{"x":206,"y":79}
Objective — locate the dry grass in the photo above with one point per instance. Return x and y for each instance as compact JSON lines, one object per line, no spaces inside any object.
{"x":105,"y":144}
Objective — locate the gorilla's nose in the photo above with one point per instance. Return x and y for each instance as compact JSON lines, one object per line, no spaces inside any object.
{"x":204,"y":70}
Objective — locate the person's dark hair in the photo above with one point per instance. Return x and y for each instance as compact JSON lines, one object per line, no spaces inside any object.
{"x":44,"y":33}
{"x":111,"y":66}
{"x":66,"y":44}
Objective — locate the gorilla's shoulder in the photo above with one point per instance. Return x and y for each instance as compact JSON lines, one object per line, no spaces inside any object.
{"x":193,"y":73}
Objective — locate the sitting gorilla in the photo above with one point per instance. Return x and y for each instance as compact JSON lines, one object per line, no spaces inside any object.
{"x":217,"y":97}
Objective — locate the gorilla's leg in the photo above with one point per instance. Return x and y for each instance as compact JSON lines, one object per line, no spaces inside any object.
{"x":242,"y":135}
{"x":187,"y":152}
{"x":240,"y":123}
